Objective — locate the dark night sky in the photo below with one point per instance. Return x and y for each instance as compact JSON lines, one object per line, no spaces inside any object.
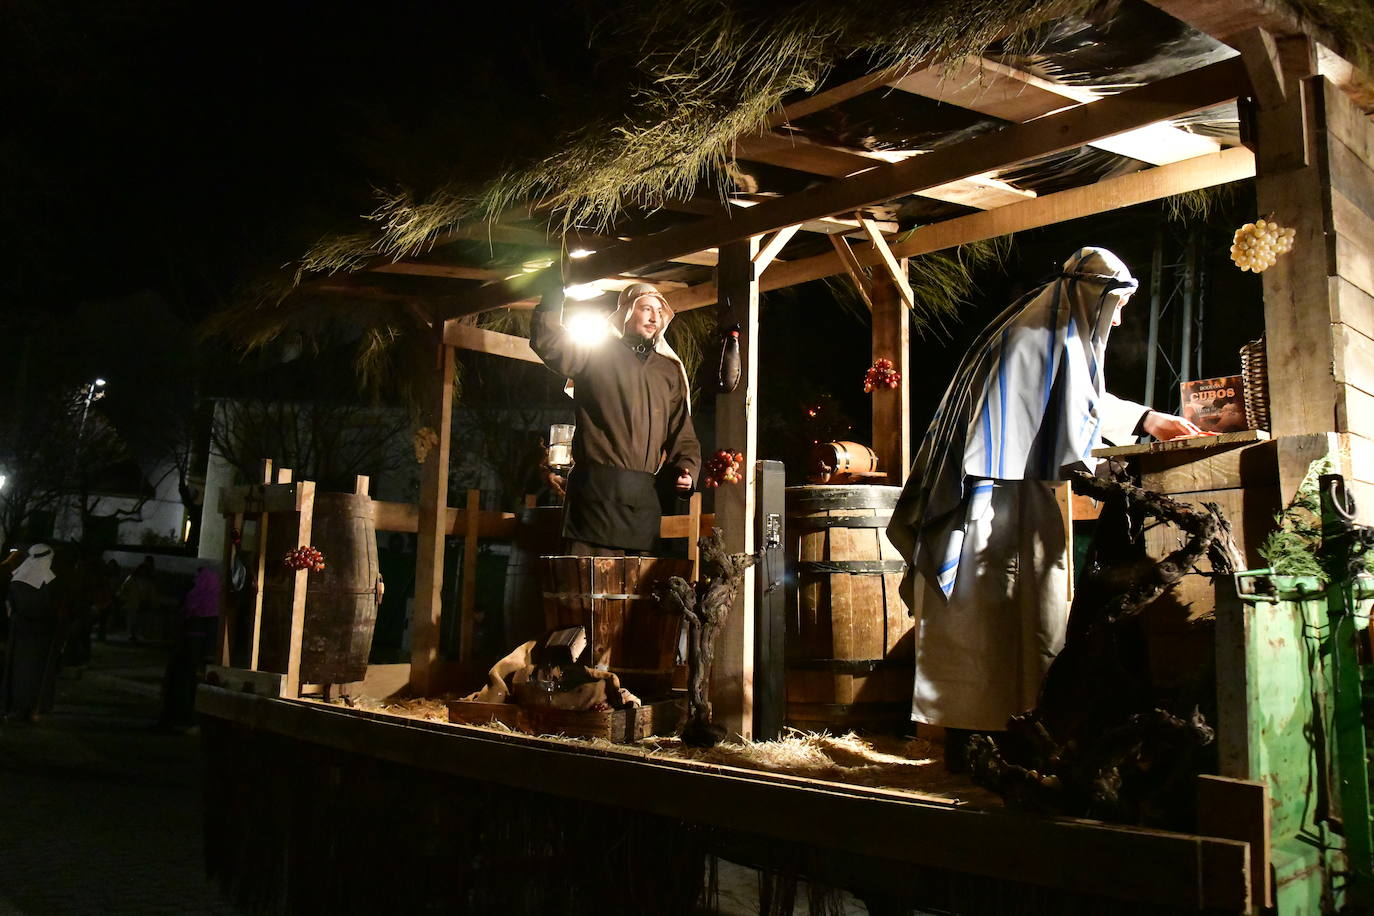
{"x":184,"y":147}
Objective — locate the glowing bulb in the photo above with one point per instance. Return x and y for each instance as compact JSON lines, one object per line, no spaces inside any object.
{"x":586,"y":328}
{"x":100,"y":383}
{"x":583,"y":291}
{"x":579,"y":253}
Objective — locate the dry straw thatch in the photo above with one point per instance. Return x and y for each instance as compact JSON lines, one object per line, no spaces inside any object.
{"x":706,"y":73}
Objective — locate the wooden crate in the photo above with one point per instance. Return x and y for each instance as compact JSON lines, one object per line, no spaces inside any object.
{"x":623,"y":726}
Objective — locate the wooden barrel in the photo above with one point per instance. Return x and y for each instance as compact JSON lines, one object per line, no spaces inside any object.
{"x":850,"y":643}
{"x":842,"y":462}
{"x":340,"y":601}
{"x":612,"y":598}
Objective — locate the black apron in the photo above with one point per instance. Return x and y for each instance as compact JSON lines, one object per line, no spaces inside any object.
{"x":613,"y":507}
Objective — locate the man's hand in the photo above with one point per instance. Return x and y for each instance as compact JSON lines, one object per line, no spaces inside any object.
{"x":684,"y":481}
{"x":1166,"y":426}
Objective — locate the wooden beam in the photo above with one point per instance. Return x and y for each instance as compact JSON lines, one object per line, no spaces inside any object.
{"x":998,"y":90}
{"x":836,"y":94}
{"x":892,"y":341}
{"x":300,"y":582}
{"x":259,"y":579}
{"x":896,"y":271}
{"x":803,"y":155}
{"x":851,"y":265}
{"x":467,"y":623}
{"x":469,"y":337}
{"x":429,"y":560}
{"x":770,"y":248}
{"x":1261,"y":55}
{"x":1111,"y":194}
{"x":447,"y":271}
{"x":732,"y":687}
{"x":1168,"y":98}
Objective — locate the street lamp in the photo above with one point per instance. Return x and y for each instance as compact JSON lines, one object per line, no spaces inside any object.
{"x":94,"y":392}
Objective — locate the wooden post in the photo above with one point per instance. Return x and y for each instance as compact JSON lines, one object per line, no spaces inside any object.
{"x":732,"y":683}
{"x":467,"y":623}
{"x":305,"y":506}
{"x":260,"y":574}
{"x":228,"y":610}
{"x":892,"y":340}
{"x":429,"y":560}
{"x":693,"y":550}
{"x":1314,"y":169}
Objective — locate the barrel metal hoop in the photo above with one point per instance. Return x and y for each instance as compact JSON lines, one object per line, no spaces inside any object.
{"x":852,"y":567}
{"x":838,"y":521}
{"x":610,"y":596}
{"x":847,"y":665}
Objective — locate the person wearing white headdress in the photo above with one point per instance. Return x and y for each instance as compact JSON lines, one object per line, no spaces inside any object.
{"x":978,"y":520}
{"x":30,"y":677}
{"x":634,"y":419}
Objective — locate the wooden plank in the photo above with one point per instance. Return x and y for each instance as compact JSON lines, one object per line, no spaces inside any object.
{"x":254,"y":498}
{"x":1261,"y":55}
{"x":1350,"y":126}
{"x":835,"y":95}
{"x":851,"y":265}
{"x":1194,"y":444}
{"x":773,"y":246}
{"x":468,"y":608}
{"x":429,"y":560}
{"x":1354,"y":242}
{"x":1354,"y":411}
{"x":1297,"y":306}
{"x":1159,"y":101}
{"x":1350,"y":175}
{"x":891,"y":417}
{"x":446,"y":271}
{"x":1361,"y":461}
{"x":242,"y":680}
{"x":1354,"y":359}
{"x":737,"y":428}
{"x":1113,"y":193}
{"x":291,"y":682}
{"x":1001,"y":91}
{"x":1222,"y":468}
{"x":405,"y":517}
{"x":260,"y":576}
{"x":468,"y":337}
{"x":1352,"y":307}
{"x":896,"y":270}
{"x":1145,"y":867}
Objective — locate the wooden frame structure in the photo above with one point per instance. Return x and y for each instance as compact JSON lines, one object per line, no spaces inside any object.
{"x":747,"y":241}
{"x":1309,"y":145}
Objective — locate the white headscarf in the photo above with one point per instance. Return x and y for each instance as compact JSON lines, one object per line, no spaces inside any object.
{"x":37,"y":569}
{"x":1023,"y":406}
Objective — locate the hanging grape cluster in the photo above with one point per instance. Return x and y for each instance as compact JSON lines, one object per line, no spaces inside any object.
{"x":1256,"y":246}
{"x":305,"y":558}
{"x":424,"y":441}
{"x":723,"y":467}
{"x":882,"y":375}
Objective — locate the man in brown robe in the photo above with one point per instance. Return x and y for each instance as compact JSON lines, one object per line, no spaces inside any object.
{"x":633,"y":418}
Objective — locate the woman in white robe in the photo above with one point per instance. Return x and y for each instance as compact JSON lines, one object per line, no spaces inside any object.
{"x":978,"y":521}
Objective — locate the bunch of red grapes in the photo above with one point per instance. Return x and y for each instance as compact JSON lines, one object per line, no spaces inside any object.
{"x":723,"y":467}
{"x":305,"y":558}
{"x":882,"y":375}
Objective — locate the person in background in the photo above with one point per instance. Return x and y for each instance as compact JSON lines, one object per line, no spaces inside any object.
{"x":979,"y":521}
{"x":137,"y":594}
{"x":29,"y":681}
{"x":196,"y":630}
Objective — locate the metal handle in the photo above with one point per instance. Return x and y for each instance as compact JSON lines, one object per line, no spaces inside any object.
{"x":1254,"y":597}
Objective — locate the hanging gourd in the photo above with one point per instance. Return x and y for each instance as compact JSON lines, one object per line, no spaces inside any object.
{"x":729,"y":360}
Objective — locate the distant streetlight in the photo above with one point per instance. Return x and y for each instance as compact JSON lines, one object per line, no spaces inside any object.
{"x":94,"y":392}
{"x":3,"y":481}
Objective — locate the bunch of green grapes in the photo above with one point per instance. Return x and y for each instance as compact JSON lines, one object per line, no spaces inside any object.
{"x":1256,"y":246}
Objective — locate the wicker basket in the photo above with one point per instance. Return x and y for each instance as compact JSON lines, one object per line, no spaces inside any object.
{"x":1254,"y":370}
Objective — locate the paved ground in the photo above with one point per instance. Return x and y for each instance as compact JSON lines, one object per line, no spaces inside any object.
{"x":99,"y":815}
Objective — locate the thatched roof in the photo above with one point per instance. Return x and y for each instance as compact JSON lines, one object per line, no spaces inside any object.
{"x":666,"y":115}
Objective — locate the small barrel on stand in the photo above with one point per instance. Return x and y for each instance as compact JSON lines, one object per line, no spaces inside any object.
{"x":850,"y":642}
{"x":340,"y":600}
{"x":612,"y":598}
